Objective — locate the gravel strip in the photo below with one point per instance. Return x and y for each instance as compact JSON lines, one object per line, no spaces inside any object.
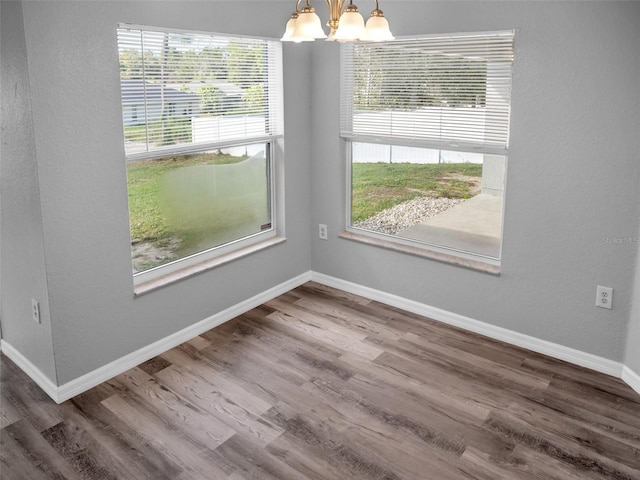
{"x":407,"y":214}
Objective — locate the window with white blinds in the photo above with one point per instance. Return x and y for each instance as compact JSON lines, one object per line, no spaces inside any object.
{"x":202,"y":122}
{"x":446,"y":92}
{"x":186,"y":91}
{"x":426,"y":125}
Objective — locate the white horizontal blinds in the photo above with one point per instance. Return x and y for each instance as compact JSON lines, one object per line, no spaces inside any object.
{"x":451,"y":91}
{"x":182,"y":89}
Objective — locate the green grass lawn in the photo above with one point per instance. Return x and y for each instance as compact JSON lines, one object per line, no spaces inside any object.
{"x":378,"y":186}
{"x":183,"y":205}
{"x":144,"y":182}
{"x":187,"y":204}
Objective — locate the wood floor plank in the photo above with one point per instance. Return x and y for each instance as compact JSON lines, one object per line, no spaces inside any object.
{"x":482,"y":466}
{"x":320,"y":384}
{"x":75,"y":452}
{"x":177,"y":411}
{"x":577,"y":434}
{"x":311,"y":361}
{"x":332,"y":293}
{"x":438,"y":427}
{"x":25,"y":454}
{"x":429,"y":328}
{"x":593,"y":414}
{"x":469,"y":361}
{"x":437,"y":396}
{"x":619,"y":407}
{"x":469,"y":384}
{"x":255,"y":462}
{"x":198,"y":381}
{"x":334,"y":457}
{"x":26,"y":398}
{"x":154,"y":463}
{"x":306,"y":460}
{"x":574,"y":373}
{"x":404,"y":416}
{"x":369,"y":446}
{"x":359,"y":319}
{"x":556,"y":448}
{"x":154,"y":365}
{"x":251,"y":362}
{"x":292,"y":341}
{"x":540,"y":465}
{"x":9,"y":413}
{"x":108,"y":447}
{"x":345,"y":342}
{"x":220,"y":407}
{"x":175,"y":445}
{"x":315,"y":319}
{"x":409,"y":458}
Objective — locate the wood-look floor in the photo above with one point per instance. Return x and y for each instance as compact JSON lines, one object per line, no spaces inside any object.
{"x":319,"y":384}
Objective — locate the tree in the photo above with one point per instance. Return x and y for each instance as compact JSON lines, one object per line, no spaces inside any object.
{"x":132,"y":66}
{"x":254,"y":99}
{"x":210,"y":100}
{"x":211,"y":65}
{"x":245,"y":63}
{"x":403,"y":79}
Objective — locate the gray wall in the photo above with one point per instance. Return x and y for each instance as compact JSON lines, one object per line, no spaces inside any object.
{"x":21,"y":236}
{"x":65,"y":234}
{"x":572,"y":174}
{"x":76,"y":142}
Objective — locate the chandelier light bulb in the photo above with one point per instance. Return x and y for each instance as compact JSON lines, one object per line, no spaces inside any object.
{"x":351,"y":26}
{"x":377,"y":29}
{"x":308,"y":26}
{"x":290,"y":28}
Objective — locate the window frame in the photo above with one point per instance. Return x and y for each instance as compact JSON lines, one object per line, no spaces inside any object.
{"x":161,"y":275}
{"x":421,"y":248}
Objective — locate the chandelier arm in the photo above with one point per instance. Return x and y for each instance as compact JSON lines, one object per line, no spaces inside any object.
{"x":335,"y":11}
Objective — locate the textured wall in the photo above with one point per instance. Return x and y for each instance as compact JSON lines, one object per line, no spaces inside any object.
{"x":573,"y":156}
{"x":632,"y":354}
{"x":21,"y":237}
{"x":75,"y":93}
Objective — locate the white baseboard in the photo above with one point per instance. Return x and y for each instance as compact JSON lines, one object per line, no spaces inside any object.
{"x":631,"y":378}
{"x":81,"y":384}
{"x":91,"y":379}
{"x":30,"y":369}
{"x":555,"y":350}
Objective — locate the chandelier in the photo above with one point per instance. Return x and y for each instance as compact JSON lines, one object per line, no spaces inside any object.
{"x":346,"y":26}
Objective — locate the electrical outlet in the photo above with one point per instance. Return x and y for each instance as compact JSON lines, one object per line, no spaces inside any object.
{"x":322,"y":231}
{"x":35,"y":310}
{"x":604,"y":297}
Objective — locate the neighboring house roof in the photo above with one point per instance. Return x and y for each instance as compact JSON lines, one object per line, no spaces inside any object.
{"x":134,"y":91}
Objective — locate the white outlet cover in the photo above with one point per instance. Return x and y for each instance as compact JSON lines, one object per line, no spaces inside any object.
{"x":604,"y":297}
{"x":35,"y":310}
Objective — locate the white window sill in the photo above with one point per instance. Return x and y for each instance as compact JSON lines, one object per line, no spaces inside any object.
{"x":168,"y":279}
{"x":424,"y":252}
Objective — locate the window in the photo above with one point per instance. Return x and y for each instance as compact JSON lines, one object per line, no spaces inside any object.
{"x":426,"y":122}
{"x":202,"y":118}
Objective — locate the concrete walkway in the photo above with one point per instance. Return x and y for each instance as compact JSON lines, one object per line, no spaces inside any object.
{"x":473,"y":226}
